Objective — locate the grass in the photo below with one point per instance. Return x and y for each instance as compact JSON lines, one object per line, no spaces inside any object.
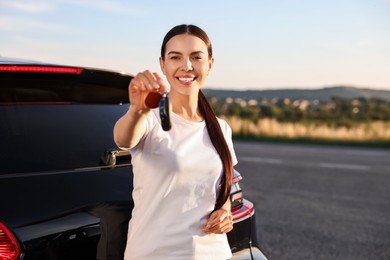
{"x":372,"y":134}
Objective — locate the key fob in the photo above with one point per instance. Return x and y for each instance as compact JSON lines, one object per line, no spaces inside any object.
{"x":152,"y":99}
{"x":163,"y":105}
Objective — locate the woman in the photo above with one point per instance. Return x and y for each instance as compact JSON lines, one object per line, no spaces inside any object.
{"x":182,"y":177}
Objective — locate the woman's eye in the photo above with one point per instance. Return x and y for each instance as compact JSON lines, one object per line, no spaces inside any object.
{"x":197,"y":58}
{"x":175,"y":57}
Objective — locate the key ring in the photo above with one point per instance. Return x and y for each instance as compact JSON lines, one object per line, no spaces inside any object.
{"x":154,"y":100}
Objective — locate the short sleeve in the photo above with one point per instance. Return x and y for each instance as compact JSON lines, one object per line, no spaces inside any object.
{"x":148,"y":123}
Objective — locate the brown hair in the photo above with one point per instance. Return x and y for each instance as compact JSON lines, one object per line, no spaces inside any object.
{"x":213,"y":127}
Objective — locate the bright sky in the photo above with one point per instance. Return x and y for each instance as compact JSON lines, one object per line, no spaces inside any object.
{"x":258,"y":44}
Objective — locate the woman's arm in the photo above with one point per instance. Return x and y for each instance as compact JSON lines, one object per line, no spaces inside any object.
{"x":129,"y":129}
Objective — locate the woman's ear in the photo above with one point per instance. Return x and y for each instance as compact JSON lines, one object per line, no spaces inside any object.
{"x":211,"y":63}
{"x":162,"y":65}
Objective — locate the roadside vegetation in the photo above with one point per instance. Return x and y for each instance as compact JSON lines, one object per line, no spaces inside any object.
{"x":357,"y":121}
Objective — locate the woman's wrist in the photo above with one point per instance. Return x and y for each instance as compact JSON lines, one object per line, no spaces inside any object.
{"x":227,"y":206}
{"x":137,"y":112}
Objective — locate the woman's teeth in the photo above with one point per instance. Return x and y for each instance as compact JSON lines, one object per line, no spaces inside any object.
{"x":186,"y":79}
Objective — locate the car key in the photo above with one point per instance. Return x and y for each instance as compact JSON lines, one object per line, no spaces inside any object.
{"x":163,"y":105}
{"x":152,"y":99}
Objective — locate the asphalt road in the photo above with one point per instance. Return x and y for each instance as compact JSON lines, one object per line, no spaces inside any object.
{"x":318,"y":202}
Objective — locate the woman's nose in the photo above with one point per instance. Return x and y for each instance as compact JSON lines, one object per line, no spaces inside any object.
{"x":187,"y":66}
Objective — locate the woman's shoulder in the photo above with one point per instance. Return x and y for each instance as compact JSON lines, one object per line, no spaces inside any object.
{"x":226,"y":129}
{"x":221,"y":121}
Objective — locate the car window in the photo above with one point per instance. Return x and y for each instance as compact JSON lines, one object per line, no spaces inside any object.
{"x":57,"y":122}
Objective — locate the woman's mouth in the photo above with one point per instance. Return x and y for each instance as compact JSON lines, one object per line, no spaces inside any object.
{"x":186,"y":79}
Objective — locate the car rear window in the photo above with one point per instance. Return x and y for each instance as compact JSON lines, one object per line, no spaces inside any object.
{"x":89,"y":87}
{"x":57,"y":122}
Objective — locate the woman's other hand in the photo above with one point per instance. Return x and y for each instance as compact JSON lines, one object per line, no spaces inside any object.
{"x":219,"y":222}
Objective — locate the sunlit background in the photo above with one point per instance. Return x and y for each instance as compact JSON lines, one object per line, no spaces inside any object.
{"x":258,"y":44}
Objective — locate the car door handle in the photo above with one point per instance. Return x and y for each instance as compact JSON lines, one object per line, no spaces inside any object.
{"x":112,"y":157}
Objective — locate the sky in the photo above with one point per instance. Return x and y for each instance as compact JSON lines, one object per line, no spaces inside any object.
{"x":258,"y":44}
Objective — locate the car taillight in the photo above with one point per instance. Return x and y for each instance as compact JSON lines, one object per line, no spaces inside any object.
{"x":240,"y":208}
{"x":236,"y":192}
{"x":9,"y":246}
{"x":236,"y":196}
{"x":37,"y":103}
{"x":40,"y":69}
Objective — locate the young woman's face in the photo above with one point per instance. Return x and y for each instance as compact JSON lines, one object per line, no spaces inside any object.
{"x":186,"y":63}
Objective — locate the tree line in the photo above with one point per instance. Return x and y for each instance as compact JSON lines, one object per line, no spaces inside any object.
{"x":337,"y":112}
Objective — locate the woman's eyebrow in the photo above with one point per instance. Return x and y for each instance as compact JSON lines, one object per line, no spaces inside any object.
{"x":179,"y":53}
{"x":197,"y":52}
{"x":173,"y":53}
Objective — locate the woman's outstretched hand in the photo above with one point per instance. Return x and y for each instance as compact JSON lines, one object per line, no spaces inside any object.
{"x":219,"y":222}
{"x":141,"y":85}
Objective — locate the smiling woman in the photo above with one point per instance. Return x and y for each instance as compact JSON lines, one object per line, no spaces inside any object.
{"x":182,"y":205}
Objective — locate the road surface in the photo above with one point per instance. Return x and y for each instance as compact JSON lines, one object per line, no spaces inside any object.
{"x":318,"y":202}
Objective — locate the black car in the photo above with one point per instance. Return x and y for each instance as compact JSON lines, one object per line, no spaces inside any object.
{"x":65,"y":188}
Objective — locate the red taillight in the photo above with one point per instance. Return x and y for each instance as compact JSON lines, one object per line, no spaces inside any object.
{"x":36,"y":103}
{"x":9,"y":246}
{"x":40,"y":69}
{"x":245,"y":211}
{"x":241,"y":208}
{"x":236,"y":192}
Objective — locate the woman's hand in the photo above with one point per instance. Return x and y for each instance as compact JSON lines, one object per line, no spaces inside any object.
{"x":129,"y":129}
{"x":219,"y":222}
{"x":141,"y":85}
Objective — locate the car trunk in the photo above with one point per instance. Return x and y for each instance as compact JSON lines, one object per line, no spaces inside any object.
{"x":56,"y":190}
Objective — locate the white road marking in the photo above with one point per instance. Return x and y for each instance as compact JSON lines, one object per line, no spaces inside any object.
{"x":345,"y":166}
{"x":321,"y":164}
{"x":259,"y":159}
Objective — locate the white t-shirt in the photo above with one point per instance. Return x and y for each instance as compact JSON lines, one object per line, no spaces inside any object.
{"x":176,"y":176}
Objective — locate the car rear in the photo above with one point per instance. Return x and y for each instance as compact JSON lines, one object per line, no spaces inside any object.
{"x":243,"y":237}
{"x":59,"y":198}
{"x":65,"y":188}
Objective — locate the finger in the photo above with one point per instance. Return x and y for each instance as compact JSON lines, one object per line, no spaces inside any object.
{"x":152,"y":82}
{"x":217,"y":217}
{"x":221,"y":224}
{"x":161,"y":83}
{"x":146,"y":81}
{"x":137,"y":83}
{"x":224,"y":227}
{"x":220,"y":229}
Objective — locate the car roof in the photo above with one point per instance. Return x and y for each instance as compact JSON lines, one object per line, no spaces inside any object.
{"x":17,"y":61}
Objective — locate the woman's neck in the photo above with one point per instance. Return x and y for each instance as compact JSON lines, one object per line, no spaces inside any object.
{"x":186,"y":106}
